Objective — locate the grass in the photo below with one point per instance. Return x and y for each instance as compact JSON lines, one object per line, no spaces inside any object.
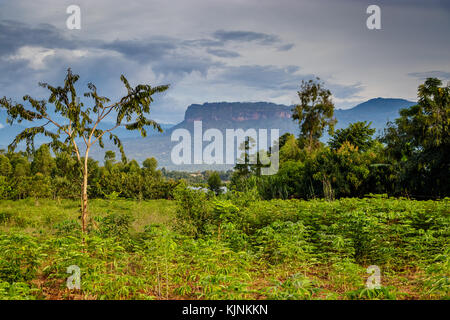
{"x":41,"y":216}
{"x":280,"y":249}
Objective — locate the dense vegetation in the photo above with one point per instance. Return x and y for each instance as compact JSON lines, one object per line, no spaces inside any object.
{"x":308,"y":232}
{"x":411,"y":158}
{"x":44,"y":176}
{"x":228,"y":247}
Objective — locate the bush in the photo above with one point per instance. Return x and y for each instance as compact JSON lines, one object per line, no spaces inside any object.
{"x":19,"y":258}
{"x":283,"y":241}
{"x":67,"y":227}
{"x":295,"y":287}
{"x":383,"y":293}
{"x":115,"y":225}
{"x":5,"y":188}
{"x":193,"y":211}
{"x":16,"y":291}
{"x":5,"y":216}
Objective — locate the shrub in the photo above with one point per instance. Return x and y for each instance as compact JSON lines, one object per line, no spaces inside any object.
{"x":67,"y":227}
{"x":283,"y":241}
{"x":19,"y":258}
{"x":295,"y":287}
{"x":16,"y":291}
{"x":193,"y":211}
{"x":383,"y":293}
{"x":115,"y":225}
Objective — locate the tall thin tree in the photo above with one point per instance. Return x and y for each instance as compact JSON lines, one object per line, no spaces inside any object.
{"x":70,"y":124}
{"x":314,"y":113}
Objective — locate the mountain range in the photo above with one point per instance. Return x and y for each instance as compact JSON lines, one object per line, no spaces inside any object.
{"x":229,"y":115}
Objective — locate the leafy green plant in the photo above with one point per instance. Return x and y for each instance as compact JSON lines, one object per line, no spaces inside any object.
{"x":295,"y":287}
{"x":16,"y":291}
{"x":19,"y":257}
{"x":115,"y":224}
{"x":193,"y":211}
{"x":383,"y":293}
{"x":67,"y":227}
{"x":282,"y":241}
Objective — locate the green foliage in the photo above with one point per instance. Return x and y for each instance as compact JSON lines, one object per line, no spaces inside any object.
{"x":279,"y":249}
{"x":281,"y":241}
{"x":419,"y":142}
{"x":67,"y":227}
{"x":5,"y":188}
{"x":18,"y":258}
{"x":344,"y":170}
{"x":215,"y":183}
{"x":314,"y":113}
{"x":16,"y":291}
{"x":382,"y":293}
{"x":410,"y":159}
{"x":135,"y":105}
{"x":5,"y":166}
{"x":115,"y":225}
{"x":59,"y":178}
{"x":358,"y":134}
{"x":290,"y":149}
{"x":193,"y":211}
{"x":295,"y":287}
{"x":438,"y":281}
{"x":43,"y":162}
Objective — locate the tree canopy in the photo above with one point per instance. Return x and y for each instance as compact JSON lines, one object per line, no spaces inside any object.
{"x":314,"y":113}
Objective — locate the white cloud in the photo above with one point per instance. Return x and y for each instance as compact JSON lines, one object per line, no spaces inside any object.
{"x":34,"y":55}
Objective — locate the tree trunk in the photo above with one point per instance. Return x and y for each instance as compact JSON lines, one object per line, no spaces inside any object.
{"x":84,"y":195}
{"x":310,"y":146}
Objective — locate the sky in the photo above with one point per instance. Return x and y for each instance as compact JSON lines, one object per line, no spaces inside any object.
{"x":233,"y":50}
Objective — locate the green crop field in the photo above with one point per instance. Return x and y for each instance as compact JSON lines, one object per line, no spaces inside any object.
{"x":228,"y":247}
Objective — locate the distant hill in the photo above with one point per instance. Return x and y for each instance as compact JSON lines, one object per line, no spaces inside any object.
{"x":233,"y":115}
{"x":222,"y":115}
{"x":378,"y":111}
{"x":228,"y":115}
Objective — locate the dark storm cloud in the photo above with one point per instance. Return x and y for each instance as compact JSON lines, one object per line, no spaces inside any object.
{"x":143,"y":50}
{"x":430,"y":74}
{"x":286,"y":47}
{"x":246,"y":36}
{"x":179,"y":64}
{"x":166,"y":56}
{"x":280,"y":78}
{"x":203,"y":43}
{"x":265,"y":77}
{"x":14,"y":35}
{"x":159,"y":52}
{"x":221,"y":53}
{"x":222,"y":37}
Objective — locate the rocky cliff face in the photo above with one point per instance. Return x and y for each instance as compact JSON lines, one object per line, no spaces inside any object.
{"x":225,"y":115}
{"x":236,"y":111}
